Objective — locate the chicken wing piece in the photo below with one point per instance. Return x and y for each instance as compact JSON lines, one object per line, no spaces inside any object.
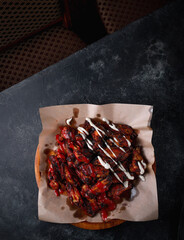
{"x":120,"y":174}
{"x":80,"y":141}
{"x":126,"y":130}
{"x":60,"y":155}
{"x":71,"y":177}
{"x":90,"y":207}
{"x":54,"y":185}
{"x":55,"y":168}
{"x":74,"y":195}
{"x":87,"y":169}
{"x":86,"y":179}
{"x":137,"y":167}
{"x":100,"y":171}
{"x":68,"y":133}
{"x":80,"y":156}
{"x":138,"y":164}
{"x":105,"y":202}
{"x":102,"y":186}
{"x":96,"y":139}
{"x":86,"y":192}
{"x":134,"y":168}
{"x":87,"y":153}
{"x":68,"y":150}
{"x":55,"y":174}
{"x":86,"y":126}
{"x":136,"y":154}
{"x":99,"y":124}
{"x":117,"y":153}
{"x":117,"y":189}
{"x":98,"y":188}
{"x":123,"y":141}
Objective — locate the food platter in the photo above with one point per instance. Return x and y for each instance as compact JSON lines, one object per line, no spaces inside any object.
{"x":92,"y":170}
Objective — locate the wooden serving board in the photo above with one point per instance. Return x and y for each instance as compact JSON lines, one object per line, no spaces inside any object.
{"x":85,"y":224}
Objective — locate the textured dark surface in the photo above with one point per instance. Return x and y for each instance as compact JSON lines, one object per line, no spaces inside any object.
{"x":141,"y":64}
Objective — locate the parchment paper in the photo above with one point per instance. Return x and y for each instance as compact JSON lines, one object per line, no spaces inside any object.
{"x":144,"y":206}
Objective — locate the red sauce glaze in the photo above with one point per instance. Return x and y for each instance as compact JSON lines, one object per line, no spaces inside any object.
{"x":54,"y":185}
{"x":108,"y":203}
{"x":61,"y":191}
{"x":57,"y":193}
{"x":88,"y":170}
{"x":104,"y":214}
{"x":101,"y":186}
{"x":74,"y":169}
{"x":80,"y":157}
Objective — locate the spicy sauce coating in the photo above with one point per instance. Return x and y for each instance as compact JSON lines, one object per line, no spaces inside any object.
{"x":95,"y":165}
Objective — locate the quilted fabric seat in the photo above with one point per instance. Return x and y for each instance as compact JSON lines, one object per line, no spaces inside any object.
{"x":35,"y":33}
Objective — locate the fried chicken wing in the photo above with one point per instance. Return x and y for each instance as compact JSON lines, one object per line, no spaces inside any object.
{"x":68,"y":133}
{"x":102,"y":186}
{"x":74,"y":195}
{"x":80,"y":156}
{"x":91,"y":207}
{"x":117,"y":189}
{"x":87,"y":179}
{"x":71,"y":177}
{"x":137,"y":154}
{"x":100,"y":172}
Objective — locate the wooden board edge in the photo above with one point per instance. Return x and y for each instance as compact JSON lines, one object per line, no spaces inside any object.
{"x":36,"y":167}
{"x":98,"y":226}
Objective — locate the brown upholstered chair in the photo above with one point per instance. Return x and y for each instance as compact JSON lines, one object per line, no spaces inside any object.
{"x":37,"y":33}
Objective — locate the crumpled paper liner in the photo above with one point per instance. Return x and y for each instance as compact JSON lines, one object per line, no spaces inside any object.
{"x":143,"y":206}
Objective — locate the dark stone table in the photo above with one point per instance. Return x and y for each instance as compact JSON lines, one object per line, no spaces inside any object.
{"x":143,"y":64}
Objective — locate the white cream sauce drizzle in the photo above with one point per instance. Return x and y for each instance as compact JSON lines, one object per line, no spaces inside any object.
{"x":68,"y":121}
{"x":142,"y":178}
{"x":117,"y":145}
{"x":89,"y":142}
{"x":128,"y":142}
{"x":89,"y":146}
{"x":141,"y":168}
{"x":111,"y":125}
{"x":95,"y":127}
{"x":107,"y":166}
{"x":125,"y":184}
{"x":120,"y":166}
{"x":144,"y":164}
{"x":82,"y":130}
{"x":115,"y":139}
{"x":107,"y":154}
{"x":83,"y":133}
{"x":110,"y":149}
{"x":55,"y":148}
{"x":126,"y":172}
{"x":104,"y":164}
